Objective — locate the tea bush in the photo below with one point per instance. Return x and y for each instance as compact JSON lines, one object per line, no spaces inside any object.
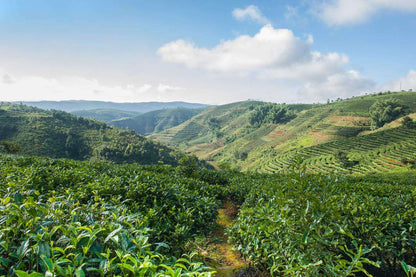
{"x":66,"y":218}
{"x":306,"y":225}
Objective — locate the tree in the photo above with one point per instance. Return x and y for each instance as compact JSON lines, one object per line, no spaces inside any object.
{"x":385,"y":111}
{"x":215,"y":127}
{"x":408,"y":123}
{"x":270,"y":113}
{"x":343,"y":159}
{"x":10,"y":147}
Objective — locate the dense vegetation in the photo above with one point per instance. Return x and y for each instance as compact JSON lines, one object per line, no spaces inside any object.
{"x":385,"y":111}
{"x":270,"y":113}
{"x":60,"y":134}
{"x":70,"y":218}
{"x":308,"y":225}
{"x":74,"y":218}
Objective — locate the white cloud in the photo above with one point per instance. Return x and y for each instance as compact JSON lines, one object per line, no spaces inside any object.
{"x":349,"y":12}
{"x":343,"y":85}
{"x":167,"y":88}
{"x":250,"y":13}
{"x":273,"y":54}
{"x":7,"y":79}
{"x":144,"y":88}
{"x":317,"y":67}
{"x":405,"y":83}
{"x":268,"y":48}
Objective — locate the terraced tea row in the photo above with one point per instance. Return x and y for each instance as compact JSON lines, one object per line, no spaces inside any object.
{"x":377,"y":152}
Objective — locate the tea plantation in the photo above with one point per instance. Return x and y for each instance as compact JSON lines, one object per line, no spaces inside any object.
{"x":73,"y":218}
{"x":377,"y":152}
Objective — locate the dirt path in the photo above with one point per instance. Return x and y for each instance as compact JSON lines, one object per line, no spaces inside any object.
{"x":228,"y":260}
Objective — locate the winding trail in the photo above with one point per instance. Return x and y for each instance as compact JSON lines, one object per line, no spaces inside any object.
{"x":228,"y":261}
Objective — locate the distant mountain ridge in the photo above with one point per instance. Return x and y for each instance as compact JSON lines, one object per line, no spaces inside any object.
{"x":78,"y":105}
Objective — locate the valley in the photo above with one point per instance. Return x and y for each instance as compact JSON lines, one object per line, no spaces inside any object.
{"x":244,"y":189}
{"x":208,"y":138}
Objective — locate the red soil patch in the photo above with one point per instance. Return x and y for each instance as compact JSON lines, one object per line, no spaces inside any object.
{"x":346,"y":120}
{"x":277,"y":134}
{"x":392,"y":160}
{"x":386,"y":165}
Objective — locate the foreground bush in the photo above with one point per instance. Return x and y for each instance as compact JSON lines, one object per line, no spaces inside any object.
{"x":66,"y":218}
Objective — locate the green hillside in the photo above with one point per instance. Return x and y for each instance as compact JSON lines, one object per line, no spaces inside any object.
{"x":60,"y":134}
{"x":105,"y":115}
{"x":377,"y":152}
{"x":155,"y":121}
{"x":226,"y":137}
{"x":213,"y":127}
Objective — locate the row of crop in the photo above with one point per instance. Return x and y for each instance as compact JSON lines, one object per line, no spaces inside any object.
{"x":390,"y":150}
{"x":317,"y":226}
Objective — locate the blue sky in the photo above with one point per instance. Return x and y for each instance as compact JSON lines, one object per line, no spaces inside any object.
{"x":205,"y":51}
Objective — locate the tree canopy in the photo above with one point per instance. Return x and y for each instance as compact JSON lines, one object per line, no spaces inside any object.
{"x":385,"y":111}
{"x":270,"y":113}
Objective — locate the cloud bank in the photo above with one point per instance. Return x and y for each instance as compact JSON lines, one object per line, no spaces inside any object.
{"x":350,"y":12}
{"x":275,"y":54}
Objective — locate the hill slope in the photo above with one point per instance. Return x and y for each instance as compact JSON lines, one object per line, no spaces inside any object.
{"x":106,"y":115}
{"x":60,"y":134}
{"x":155,"y":121}
{"x":225,"y":136}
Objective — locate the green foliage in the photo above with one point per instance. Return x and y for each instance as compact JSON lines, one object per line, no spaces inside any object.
{"x":343,"y":159}
{"x":93,"y":239}
{"x":385,"y":111}
{"x":270,"y":113}
{"x":408,"y":123}
{"x":410,"y":162}
{"x":408,"y":269}
{"x":69,"y":218}
{"x":215,"y":127}
{"x":10,"y":147}
{"x":304,"y":225}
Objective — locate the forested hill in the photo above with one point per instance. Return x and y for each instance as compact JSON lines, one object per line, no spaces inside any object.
{"x":155,"y":121}
{"x":106,"y":115}
{"x":38,"y":132}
